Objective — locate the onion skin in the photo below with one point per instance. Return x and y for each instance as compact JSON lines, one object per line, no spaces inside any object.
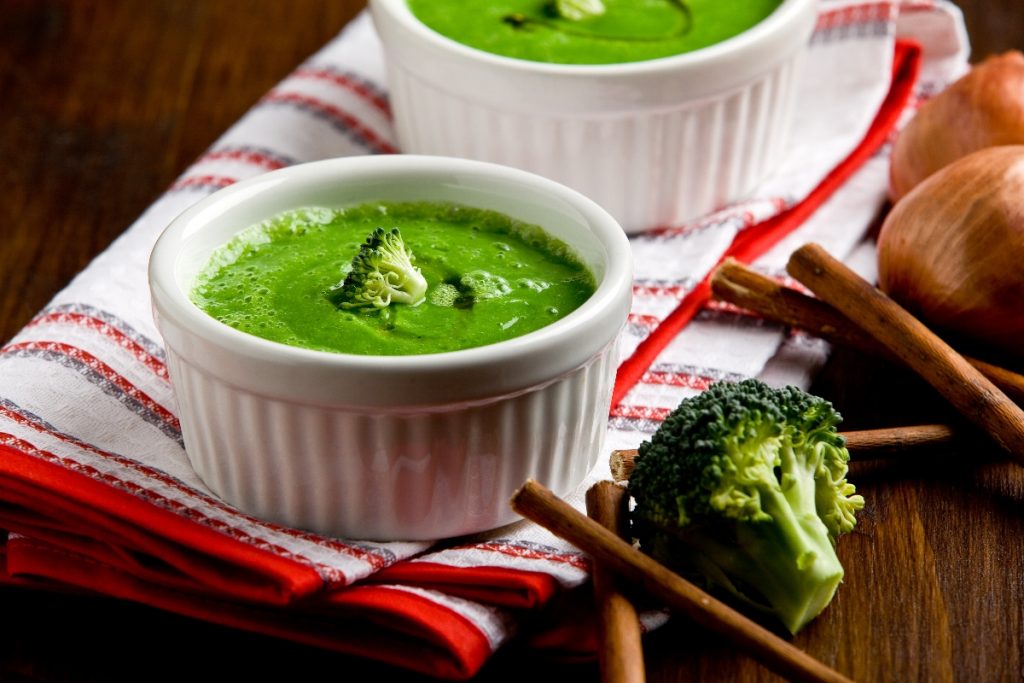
{"x":985,"y":108}
{"x":952,"y":250}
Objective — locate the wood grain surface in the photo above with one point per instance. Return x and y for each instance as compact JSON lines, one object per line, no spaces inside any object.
{"x":104,"y":102}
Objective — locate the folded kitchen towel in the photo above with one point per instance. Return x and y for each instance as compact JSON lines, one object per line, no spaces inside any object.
{"x":96,"y":492}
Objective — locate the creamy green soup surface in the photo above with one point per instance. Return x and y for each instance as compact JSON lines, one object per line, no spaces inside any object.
{"x":626,"y":31}
{"x":489,"y":278}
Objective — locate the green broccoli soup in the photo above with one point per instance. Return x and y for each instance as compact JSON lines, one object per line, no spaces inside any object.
{"x":392,"y":279}
{"x":590,"y":31}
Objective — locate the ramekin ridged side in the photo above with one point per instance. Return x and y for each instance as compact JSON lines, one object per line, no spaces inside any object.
{"x":385,"y":475}
{"x":655,"y":143}
{"x":653,"y":170}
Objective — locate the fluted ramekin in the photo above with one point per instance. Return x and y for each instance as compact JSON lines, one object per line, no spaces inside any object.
{"x":391,"y":447}
{"x":654,"y":142}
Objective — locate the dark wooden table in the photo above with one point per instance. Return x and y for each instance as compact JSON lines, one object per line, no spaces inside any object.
{"x":103,"y":103}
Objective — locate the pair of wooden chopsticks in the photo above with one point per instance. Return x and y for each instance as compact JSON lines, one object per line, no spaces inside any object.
{"x":848,"y":310}
{"x":864,"y":444}
{"x":741,"y":286}
{"x":621,"y":652}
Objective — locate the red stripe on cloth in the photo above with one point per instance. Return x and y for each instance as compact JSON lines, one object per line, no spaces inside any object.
{"x":245,"y":156}
{"x":499,"y":586}
{"x":918,"y":6}
{"x":677,"y":379}
{"x":202,"y":181}
{"x":640,"y":412}
{"x":106,"y":329}
{"x":342,"y":117}
{"x":162,"y":479}
{"x":756,"y":240}
{"x":643,"y":320}
{"x":865,"y":13}
{"x":744,"y":218}
{"x":364,"y":91}
{"x":530,"y":553}
{"x":673,"y":291}
{"x":387,"y":625}
{"x":95,"y":509}
{"x":102,"y":369}
{"x":726,"y":307}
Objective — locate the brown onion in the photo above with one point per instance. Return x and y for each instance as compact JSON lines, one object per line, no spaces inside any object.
{"x":983,"y":109}
{"x":952,"y":250}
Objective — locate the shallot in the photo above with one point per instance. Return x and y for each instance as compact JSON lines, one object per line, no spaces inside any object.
{"x":985,"y":108}
{"x":952,"y":250}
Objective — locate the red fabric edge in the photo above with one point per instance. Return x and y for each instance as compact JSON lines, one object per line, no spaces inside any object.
{"x":385,"y":624}
{"x":464,"y":645}
{"x":757,"y":239}
{"x":499,"y":586}
{"x":150,"y":529}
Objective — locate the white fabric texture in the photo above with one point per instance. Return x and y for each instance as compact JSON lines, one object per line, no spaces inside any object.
{"x":85,"y":380}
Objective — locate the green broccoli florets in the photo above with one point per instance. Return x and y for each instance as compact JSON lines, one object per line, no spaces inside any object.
{"x":576,"y":10}
{"x":382,"y":273}
{"x":746,"y":485}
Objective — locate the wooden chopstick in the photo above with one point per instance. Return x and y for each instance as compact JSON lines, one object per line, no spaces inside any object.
{"x":867,"y":444}
{"x":620,"y":651}
{"x":744,"y":287}
{"x":735,"y":283}
{"x":970,"y":392}
{"x":864,"y":444}
{"x":537,"y":503}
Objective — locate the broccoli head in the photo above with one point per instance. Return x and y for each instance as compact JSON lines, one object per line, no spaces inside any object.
{"x":746,"y":486}
{"x":382,"y":273}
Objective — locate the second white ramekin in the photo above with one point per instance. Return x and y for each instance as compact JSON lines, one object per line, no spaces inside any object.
{"x":391,"y":447}
{"x":655,"y":142}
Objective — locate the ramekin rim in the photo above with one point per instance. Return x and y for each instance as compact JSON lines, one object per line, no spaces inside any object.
{"x":787,"y":12}
{"x":161,"y":271}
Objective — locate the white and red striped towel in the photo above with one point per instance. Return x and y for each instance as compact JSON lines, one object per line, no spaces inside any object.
{"x":95,"y":489}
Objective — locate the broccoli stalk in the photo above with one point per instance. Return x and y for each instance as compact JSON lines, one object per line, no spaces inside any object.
{"x":746,"y":486}
{"x":382,"y":273}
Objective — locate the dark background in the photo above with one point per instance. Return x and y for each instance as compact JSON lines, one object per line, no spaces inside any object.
{"x":104,"y":103}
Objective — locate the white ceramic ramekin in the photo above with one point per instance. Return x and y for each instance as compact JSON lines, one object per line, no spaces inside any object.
{"x":655,"y":142}
{"x":399,"y":447}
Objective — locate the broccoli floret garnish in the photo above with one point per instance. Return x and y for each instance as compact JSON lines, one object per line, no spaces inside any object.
{"x":577,"y":10}
{"x":746,"y":486}
{"x":382,"y":273}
